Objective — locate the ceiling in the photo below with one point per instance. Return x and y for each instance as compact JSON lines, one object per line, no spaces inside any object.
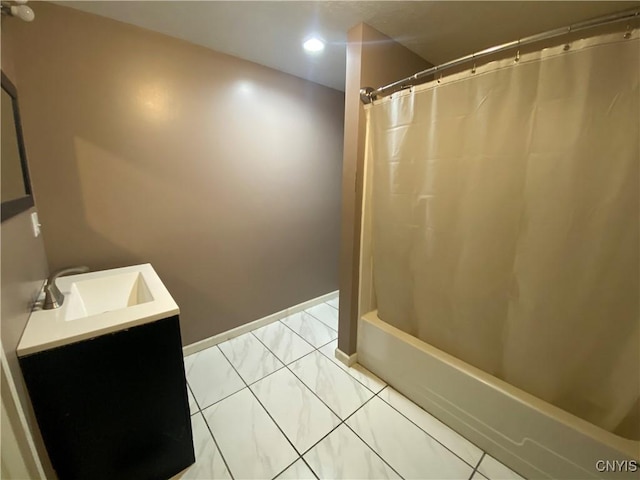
{"x":271,"y":32}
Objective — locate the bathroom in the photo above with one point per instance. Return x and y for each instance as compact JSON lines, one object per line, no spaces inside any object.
{"x":247,"y":183}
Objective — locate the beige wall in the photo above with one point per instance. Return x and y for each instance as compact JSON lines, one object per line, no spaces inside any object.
{"x":373,"y":59}
{"x":23,"y":267}
{"x":224,"y":174}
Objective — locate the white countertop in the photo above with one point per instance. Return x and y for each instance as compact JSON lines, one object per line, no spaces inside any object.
{"x":49,"y":329}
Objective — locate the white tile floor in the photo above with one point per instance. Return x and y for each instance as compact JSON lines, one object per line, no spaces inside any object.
{"x":276,"y":403}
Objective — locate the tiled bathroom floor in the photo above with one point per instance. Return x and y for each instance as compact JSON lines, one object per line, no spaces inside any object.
{"x":275,"y":403}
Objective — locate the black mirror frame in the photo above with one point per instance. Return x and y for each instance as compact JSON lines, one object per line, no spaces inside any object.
{"x":11,"y":208}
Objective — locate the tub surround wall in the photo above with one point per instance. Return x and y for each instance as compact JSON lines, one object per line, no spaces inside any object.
{"x":373,"y":59}
{"x":221,"y":173}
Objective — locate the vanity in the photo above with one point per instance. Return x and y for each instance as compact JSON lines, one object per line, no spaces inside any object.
{"x":105,"y":375}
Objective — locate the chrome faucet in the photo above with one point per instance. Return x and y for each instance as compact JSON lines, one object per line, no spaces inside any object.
{"x":53,"y":296}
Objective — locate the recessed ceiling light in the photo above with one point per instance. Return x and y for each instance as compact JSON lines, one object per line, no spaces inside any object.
{"x":313,"y":45}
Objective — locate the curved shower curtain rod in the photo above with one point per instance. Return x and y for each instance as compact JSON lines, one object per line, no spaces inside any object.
{"x":369,"y":94}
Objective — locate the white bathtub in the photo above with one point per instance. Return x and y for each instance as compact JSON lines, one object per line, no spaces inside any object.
{"x":529,"y":435}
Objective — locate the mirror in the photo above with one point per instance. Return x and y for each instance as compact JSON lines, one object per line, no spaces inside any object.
{"x":15,"y":188}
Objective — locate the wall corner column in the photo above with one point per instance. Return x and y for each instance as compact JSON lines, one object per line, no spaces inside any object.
{"x":373,"y":59}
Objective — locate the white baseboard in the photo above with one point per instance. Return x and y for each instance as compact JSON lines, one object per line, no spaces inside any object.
{"x":348,"y":360}
{"x":261,"y":322}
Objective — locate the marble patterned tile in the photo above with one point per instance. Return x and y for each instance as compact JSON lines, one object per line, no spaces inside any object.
{"x":342,"y":455}
{"x":326,"y":314}
{"x":302,"y":417}
{"x":250,"y":358}
{"x":405,"y":447}
{"x":434,"y":427}
{"x":357,"y":371}
{"x":283,"y":342}
{"x":193,"y":406}
{"x":493,"y":469}
{"x":209,"y":462}
{"x":251,"y":443}
{"x":334,"y":302}
{"x":310,"y":328}
{"x":210,"y":376}
{"x":297,"y":471}
{"x":341,"y":392}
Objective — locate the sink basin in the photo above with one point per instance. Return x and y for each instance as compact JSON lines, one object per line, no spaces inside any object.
{"x":105,"y":294}
{"x":98,"y":303}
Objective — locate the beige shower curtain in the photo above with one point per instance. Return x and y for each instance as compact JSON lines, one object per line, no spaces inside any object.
{"x":506,"y":222}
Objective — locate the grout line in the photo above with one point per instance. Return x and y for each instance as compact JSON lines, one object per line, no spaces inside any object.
{"x":255,"y":337}
{"x":287,"y":366}
{"x":298,"y":359}
{"x":356,"y":410}
{"x":331,"y":410}
{"x":215,"y":442}
{"x":318,"y":349}
{"x":423,"y":430}
{"x":218,"y":401}
{"x":299,"y":334}
{"x":223,"y":398}
{"x":300,"y":455}
{"x":260,"y":403}
{"x":321,"y":439}
{"x":324,"y":345}
{"x":319,"y":398}
{"x":475,"y":469}
{"x":341,"y":421}
{"x":309,"y":467}
{"x":323,"y":324}
{"x":281,"y":361}
{"x":267,"y":411}
{"x":316,"y":319}
{"x":332,"y":306}
{"x":194,"y":399}
{"x":362,"y":440}
{"x":314,"y":393}
{"x":344,"y":422}
{"x":267,"y":375}
{"x":308,"y":340}
{"x":287,"y":467}
{"x":263,"y":407}
{"x":307,"y":386}
{"x":335,"y":360}
{"x":288,"y":328}
{"x":319,"y":319}
{"x":374,"y":450}
{"x":381,"y":390}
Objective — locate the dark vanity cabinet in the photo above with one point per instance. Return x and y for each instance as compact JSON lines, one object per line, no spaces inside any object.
{"x":115,"y":406}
